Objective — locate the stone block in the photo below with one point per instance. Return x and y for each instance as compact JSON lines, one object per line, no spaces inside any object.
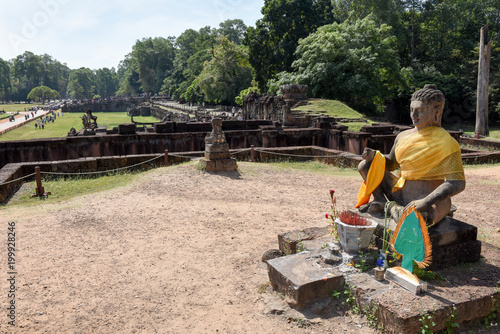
{"x":217,"y":148}
{"x":288,"y":242}
{"x":224,"y":165}
{"x":302,"y":279}
{"x":217,"y":156}
{"x":164,"y":127}
{"x":126,"y":129}
{"x":453,"y":242}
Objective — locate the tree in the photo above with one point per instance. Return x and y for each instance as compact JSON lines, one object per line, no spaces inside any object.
{"x":28,"y":69}
{"x":234,"y":30}
{"x":106,"y":82}
{"x":191,"y":52}
{"x":55,"y":74}
{"x":5,"y":85}
{"x":128,"y":77}
{"x":355,"y":62}
{"x":154,"y":59}
{"x":227,"y":73}
{"x":81,"y":83}
{"x":43,"y":93}
{"x":273,"y":41}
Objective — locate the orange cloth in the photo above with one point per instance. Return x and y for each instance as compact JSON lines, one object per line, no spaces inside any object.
{"x":373,"y":178}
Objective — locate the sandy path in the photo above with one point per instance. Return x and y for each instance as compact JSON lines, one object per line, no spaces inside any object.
{"x":176,"y":252}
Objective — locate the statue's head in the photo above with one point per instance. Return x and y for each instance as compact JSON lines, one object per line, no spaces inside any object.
{"x":427,"y":105}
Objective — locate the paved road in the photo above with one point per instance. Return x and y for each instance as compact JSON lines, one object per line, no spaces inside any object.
{"x":6,"y":124}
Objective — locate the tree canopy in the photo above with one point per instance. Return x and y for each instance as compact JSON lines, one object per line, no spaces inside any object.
{"x":355,"y":62}
{"x":42,"y":93}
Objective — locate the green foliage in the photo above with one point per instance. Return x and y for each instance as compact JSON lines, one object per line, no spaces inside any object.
{"x":493,"y":317}
{"x":450,"y":323}
{"x":355,"y":62}
{"x":153,"y":58}
{"x":241,"y":96}
{"x":81,"y":84}
{"x":43,"y":93}
{"x":5,"y":84}
{"x":106,"y":82}
{"x":273,"y":41}
{"x":427,"y":323}
{"x":226,"y":74}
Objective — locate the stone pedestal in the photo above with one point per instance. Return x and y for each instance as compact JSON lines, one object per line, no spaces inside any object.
{"x":217,"y":158}
{"x":302,"y":279}
{"x":453,"y":242}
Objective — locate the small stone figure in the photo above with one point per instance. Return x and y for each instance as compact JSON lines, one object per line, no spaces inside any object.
{"x":430,"y":161}
{"x":89,"y":121}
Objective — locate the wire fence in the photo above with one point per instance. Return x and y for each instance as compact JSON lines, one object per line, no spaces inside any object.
{"x":173,"y":155}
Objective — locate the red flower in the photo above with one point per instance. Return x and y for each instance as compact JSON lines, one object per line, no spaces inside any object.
{"x":326,"y":215}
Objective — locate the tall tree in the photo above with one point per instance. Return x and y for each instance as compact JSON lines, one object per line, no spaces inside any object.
{"x":5,"y":85}
{"x":234,"y":30}
{"x":191,"y":51}
{"x":355,"y":62}
{"x":227,"y":73}
{"x":81,"y":83}
{"x":273,"y":41}
{"x":154,"y":58}
{"x":106,"y":82}
{"x":28,"y":69}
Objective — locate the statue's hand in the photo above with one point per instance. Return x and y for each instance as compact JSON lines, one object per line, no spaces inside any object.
{"x":368,"y":154}
{"x":421,"y":205}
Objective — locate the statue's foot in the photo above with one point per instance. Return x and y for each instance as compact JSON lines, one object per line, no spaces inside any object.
{"x":372,"y":207}
{"x":376,"y":207}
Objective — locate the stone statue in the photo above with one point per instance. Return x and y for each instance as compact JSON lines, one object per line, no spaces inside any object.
{"x":89,"y":121}
{"x":216,"y":136}
{"x":430,"y":161}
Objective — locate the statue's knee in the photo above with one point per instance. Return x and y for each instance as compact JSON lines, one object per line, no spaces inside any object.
{"x":363,"y":167}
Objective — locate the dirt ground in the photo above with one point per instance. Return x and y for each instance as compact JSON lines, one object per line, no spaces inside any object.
{"x":179,"y":251}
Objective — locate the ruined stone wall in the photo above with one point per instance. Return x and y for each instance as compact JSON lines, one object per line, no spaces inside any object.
{"x":267,"y":107}
{"x":116,"y":105}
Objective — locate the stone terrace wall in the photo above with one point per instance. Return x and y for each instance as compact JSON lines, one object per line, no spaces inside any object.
{"x":190,"y":136}
{"x":115,"y":105}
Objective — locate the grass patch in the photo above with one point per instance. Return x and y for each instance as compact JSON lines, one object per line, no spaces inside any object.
{"x":471,"y":131}
{"x":331,"y":108}
{"x":15,"y":107}
{"x":63,"y":124}
{"x":63,"y":188}
{"x":335,"y":109}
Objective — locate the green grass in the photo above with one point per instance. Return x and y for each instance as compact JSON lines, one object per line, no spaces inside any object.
{"x":14,"y":107}
{"x":65,"y":188}
{"x":331,"y":108}
{"x":470,"y":130}
{"x":63,"y":124}
{"x":335,"y":109}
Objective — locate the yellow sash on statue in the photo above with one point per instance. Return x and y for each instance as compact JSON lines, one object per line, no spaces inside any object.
{"x":373,"y":178}
{"x":428,"y":154}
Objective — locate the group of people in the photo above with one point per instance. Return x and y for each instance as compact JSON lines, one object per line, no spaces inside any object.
{"x":40,"y":124}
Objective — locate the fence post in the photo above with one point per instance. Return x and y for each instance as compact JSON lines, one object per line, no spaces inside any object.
{"x":252,"y":153}
{"x":166,"y":157}
{"x":39,"y":189}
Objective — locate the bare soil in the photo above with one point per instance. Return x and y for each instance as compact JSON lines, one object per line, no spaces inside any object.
{"x":179,"y":251}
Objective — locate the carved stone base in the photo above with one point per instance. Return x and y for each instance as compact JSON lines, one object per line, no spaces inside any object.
{"x":222,"y":165}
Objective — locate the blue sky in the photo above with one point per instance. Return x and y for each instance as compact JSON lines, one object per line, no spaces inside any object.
{"x":96,"y":34}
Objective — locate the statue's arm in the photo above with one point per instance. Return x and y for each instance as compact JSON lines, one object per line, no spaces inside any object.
{"x":445,"y":190}
{"x":390,"y":159}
